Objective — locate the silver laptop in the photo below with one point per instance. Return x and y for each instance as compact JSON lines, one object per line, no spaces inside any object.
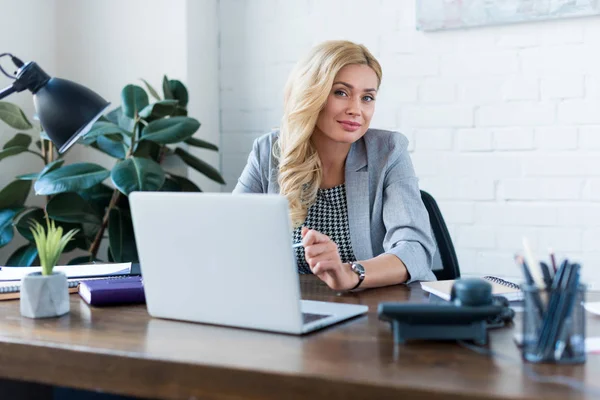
{"x":225,"y":259}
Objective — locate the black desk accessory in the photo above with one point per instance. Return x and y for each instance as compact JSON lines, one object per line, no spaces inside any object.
{"x":553,"y":319}
{"x":66,"y":110}
{"x":471,"y":311}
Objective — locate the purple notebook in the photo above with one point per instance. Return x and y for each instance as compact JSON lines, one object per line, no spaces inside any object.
{"x":99,"y":292}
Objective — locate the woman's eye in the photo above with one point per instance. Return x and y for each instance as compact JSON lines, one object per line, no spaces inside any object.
{"x":340,"y":93}
{"x":368,"y":98}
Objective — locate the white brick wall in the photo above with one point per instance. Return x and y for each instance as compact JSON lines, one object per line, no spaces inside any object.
{"x":503,"y":122}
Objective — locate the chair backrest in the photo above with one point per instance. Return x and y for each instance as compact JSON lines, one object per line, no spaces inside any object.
{"x":445,"y":263}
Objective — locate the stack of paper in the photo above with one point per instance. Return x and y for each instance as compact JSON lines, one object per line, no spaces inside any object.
{"x":72,"y":271}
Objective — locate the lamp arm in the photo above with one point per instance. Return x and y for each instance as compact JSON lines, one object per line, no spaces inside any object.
{"x":7,"y":91}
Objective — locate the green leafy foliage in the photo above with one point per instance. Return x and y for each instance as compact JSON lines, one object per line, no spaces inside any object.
{"x":139,"y":134}
{"x":50,"y":243}
{"x":13,"y":116}
{"x":137,"y":174}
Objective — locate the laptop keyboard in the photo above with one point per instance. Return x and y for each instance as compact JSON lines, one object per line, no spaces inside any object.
{"x":308,"y":317}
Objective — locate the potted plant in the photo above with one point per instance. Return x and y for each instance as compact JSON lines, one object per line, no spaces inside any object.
{"x":141,"y":135}
{"x":46,"y":294}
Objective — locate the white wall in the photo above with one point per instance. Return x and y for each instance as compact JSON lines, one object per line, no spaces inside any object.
{"x":108,"y":44}
{"x":27,"y":31}
{"x":504,"y":122}
{"x":203,"y":80}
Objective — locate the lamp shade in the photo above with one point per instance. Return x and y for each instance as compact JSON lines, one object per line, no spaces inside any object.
{"x":67,"y":110}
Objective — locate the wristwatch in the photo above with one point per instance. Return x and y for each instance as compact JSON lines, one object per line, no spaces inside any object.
{"x":359,"y":270}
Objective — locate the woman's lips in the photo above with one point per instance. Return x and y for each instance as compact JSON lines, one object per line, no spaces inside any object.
{"x":349,"y":126}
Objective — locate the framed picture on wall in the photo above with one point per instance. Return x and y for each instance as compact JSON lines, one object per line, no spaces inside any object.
{"x":435,"y":15}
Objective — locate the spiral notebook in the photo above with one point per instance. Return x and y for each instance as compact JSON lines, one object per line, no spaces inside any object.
{"x":500,"y":287}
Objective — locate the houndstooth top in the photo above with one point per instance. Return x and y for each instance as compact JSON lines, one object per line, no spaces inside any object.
{"x":328,"y":215}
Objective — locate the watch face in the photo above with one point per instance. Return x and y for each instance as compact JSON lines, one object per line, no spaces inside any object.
{"x":359,"y":269}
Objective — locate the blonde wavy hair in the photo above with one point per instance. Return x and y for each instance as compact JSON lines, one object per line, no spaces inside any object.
{"x":305,"y":95}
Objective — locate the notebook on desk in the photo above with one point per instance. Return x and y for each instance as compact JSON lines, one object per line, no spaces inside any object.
{"x":500,"y":287}
{"x":10,"y":277}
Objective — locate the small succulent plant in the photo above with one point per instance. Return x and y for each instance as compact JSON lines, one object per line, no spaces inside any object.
{"x":50,"y":243}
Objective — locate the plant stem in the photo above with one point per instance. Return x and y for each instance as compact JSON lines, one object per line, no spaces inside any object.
{"x":133,"y":138}
{"x":50,"y":151}
{"x":43,"y":146}
{"x":37,"y":154}
{"x":96,"y":243}
{"x":113,"y":201}
{"x":46,"y":162}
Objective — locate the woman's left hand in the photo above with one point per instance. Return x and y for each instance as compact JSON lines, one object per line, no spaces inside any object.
{"x":324,"y":260}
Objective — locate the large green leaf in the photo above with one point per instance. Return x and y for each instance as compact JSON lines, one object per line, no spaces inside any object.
{"x":28,"y":177}
{"x":147,"y":149}
{"x":185,"y":185}
{"x":19,"y":140}
{"x":201,"y":166}
{"x":6,"y":228}
{"x":157,"y":110}
{"x":167,"y":88}
{"x":98,"y":196}
{"x":71,"y":178}
{"x":151,"y":90}
{"x":137,"y":174}
{"x":170,"y":185}
{"x":112,"y":145}
{"x":192,"y":141}
{"x":14,"y":194}
{"x":71,"y":207}
{"x":24,"y":256}
{"x":117,"y":117}
{"x":12,"y":151}
{"x":179,"y":92}
{"x":134,"y":99}
{"x":14,"y":116}
{"x":51,"y":166}
{"x":180,"y":111}
{"x":90,"y":230}
{"x":121,"y":237}
{"x":170,"y":130}
{"x":101,"y":128}
{"x":23,"y":223}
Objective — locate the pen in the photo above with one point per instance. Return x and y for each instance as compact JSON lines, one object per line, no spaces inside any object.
{"x":296,"y":245}
{"x":534,"y":266}
{"x":553,"y":260}
{"x":537,"y":300}
{"x":546,"y":273}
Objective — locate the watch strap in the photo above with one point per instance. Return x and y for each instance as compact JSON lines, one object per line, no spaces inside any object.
{"x":361,"y":276}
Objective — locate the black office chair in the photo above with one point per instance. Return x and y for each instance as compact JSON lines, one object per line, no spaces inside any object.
{"x":445,"y":263}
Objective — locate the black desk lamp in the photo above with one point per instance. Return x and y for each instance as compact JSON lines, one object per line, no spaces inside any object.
{"x":65,"y":109}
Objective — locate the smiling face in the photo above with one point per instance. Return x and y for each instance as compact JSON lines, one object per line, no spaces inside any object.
{"x":350,"y":105}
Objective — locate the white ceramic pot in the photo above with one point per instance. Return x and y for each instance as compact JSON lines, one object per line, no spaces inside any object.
{"x":44,"y":296}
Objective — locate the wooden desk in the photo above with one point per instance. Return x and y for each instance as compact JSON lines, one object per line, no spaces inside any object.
{"x":122,"y":350}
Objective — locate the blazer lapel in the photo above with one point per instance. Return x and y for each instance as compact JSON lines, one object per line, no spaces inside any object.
{"x":357,"y":199}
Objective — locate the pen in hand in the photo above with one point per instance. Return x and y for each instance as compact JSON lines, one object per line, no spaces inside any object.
{"x":296,"y":245}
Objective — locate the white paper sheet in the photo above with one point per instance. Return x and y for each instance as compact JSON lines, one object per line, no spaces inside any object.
{"x":593,"y":307}
{"x":16,"y":273}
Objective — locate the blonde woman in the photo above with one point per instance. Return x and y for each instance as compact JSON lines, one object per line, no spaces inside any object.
{"x":353,"y":195}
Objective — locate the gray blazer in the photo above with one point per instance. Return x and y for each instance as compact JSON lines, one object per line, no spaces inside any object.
{"x":385,"y":210}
